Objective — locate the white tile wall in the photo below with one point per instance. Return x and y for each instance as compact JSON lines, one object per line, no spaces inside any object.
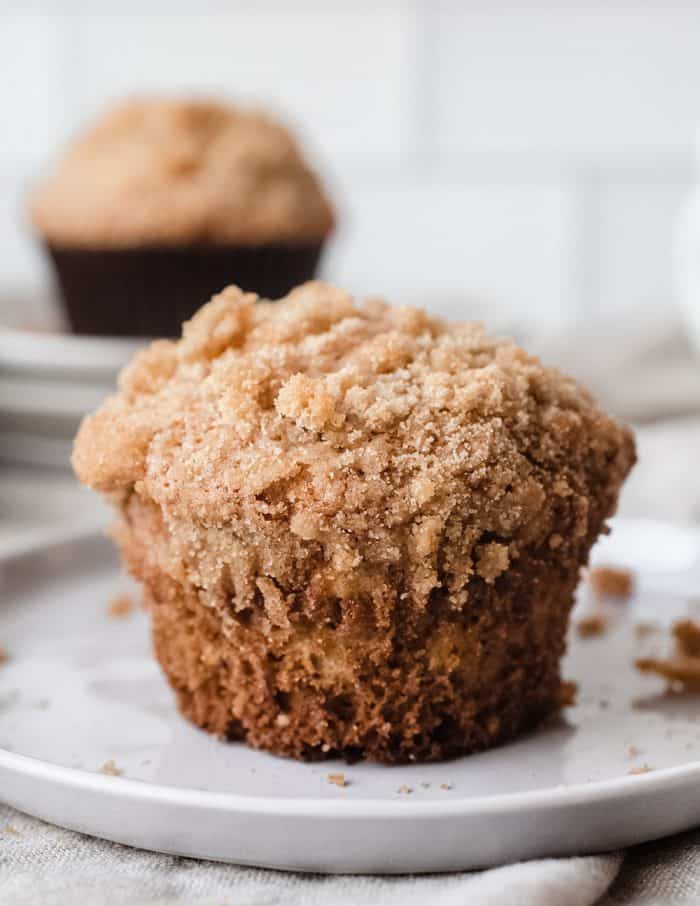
{"x":532,"y":155}
{"x":592,"y":78}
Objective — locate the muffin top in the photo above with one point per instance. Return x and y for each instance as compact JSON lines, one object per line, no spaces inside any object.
{"x":158,"y":172}
{"x":367,"y":433}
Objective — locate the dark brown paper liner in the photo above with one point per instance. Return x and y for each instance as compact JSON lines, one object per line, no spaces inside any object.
{"x":149,"y":292}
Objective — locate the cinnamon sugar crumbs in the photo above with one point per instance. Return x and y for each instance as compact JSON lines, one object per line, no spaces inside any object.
{"x":445,"y":786}
{"x":682,"y":668}
{"x":595,"y":624}
{"x":611,"y":582}
{"x":632,"y":751}
{"x":642,"y":769}
{"x":111,"y":769}
{"x":120,"y":607}
{"x":568,"y":693}
{"x":405,"y":790}
{"x":337,"y":779}
{"x":4,"y":656}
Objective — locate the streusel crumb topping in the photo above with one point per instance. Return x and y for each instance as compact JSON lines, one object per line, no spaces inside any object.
{"x":159,"y":172}
{"x":341,"y":439}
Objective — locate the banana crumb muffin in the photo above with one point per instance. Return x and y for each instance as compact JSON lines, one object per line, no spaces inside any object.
{"x":162,"y":202}
{"x":359,"y":528}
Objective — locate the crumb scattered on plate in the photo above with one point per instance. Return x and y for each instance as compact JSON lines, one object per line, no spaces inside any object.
{"x":682,"y":668}
{"x":611,"y":582}
{"x":4,"y":656}
{"x":404,"y":790}
{"x":644,"y":629}
{"x":119,"y":607}
{"x":642,"y":769}
{"x":110,"y":768}
{"x":592,"y":625}
{"x":568,"y":693}
{"x":9,"y":829}
{"x":337,"y":779}
{"x":445,"y":786}
{"x":632,"y":751}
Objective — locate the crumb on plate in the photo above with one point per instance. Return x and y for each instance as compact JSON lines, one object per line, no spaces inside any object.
{"x":592,"y":625}
{"x":646,"y":628}
{"x":404,"y":790}
{"x":641,"y":769}
{"x":611,"y":582}
{"x":111,"y":769}
{"x":682,"y":668}
{"x":338,"y":779}
{"x":120,"y":606}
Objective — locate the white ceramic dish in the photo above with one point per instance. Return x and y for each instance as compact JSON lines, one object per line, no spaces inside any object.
{"x":81,"y":689}
{"x":79,"y":357}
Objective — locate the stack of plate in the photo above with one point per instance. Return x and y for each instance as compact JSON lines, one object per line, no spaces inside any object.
{"x":49,"y":379}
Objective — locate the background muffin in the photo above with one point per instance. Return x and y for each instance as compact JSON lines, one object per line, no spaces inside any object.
{"x":164,"y":202}
{"x":359,"y":528}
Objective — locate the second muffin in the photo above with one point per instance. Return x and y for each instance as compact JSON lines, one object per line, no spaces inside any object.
{"x":163,"y":202}
{"x":359,"y":528}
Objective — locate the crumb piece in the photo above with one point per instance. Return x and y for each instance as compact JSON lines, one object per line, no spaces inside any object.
{"x":110,"y":768}
{"x":445,"y":786}
{"x":568,"y":692}
{"x":9,"y":829}
{"x":404,"y":790}
{"x":682,"y":668}
{"x":595,"y":624}
{"x":119,"y":607}
{"x":4,"y":656}
{"x":632,"y":751}
{"x":681,"y":672}
{"x":611,"y":582}
{"x":642,"y":769}
{"x":645,"y":628}
{"x":337,"y":779}
{"x":687,"y":636}
{"x":282,"y":720}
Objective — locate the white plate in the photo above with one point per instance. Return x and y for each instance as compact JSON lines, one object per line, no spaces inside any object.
{"x":80,"y":689}
{"x":70,"y":355}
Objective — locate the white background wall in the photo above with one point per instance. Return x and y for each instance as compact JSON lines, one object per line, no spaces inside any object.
{"x":533,"y":155}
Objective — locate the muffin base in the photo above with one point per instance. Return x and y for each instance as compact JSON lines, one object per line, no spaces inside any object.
{"x":326,"y":682}
{"x":149,"y":292}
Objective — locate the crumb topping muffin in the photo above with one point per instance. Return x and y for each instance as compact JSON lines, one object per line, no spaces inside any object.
{"x":359,"y":528}
{"x":159,"y":172}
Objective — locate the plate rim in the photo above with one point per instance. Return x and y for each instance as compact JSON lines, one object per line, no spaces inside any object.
{"x":558,"y":797}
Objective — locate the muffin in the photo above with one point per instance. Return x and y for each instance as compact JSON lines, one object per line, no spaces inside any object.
{"x":162,"y":203}
{"x":358,"y":528}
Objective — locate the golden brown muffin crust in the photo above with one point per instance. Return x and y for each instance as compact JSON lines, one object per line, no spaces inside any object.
{"x":160,"y":172}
